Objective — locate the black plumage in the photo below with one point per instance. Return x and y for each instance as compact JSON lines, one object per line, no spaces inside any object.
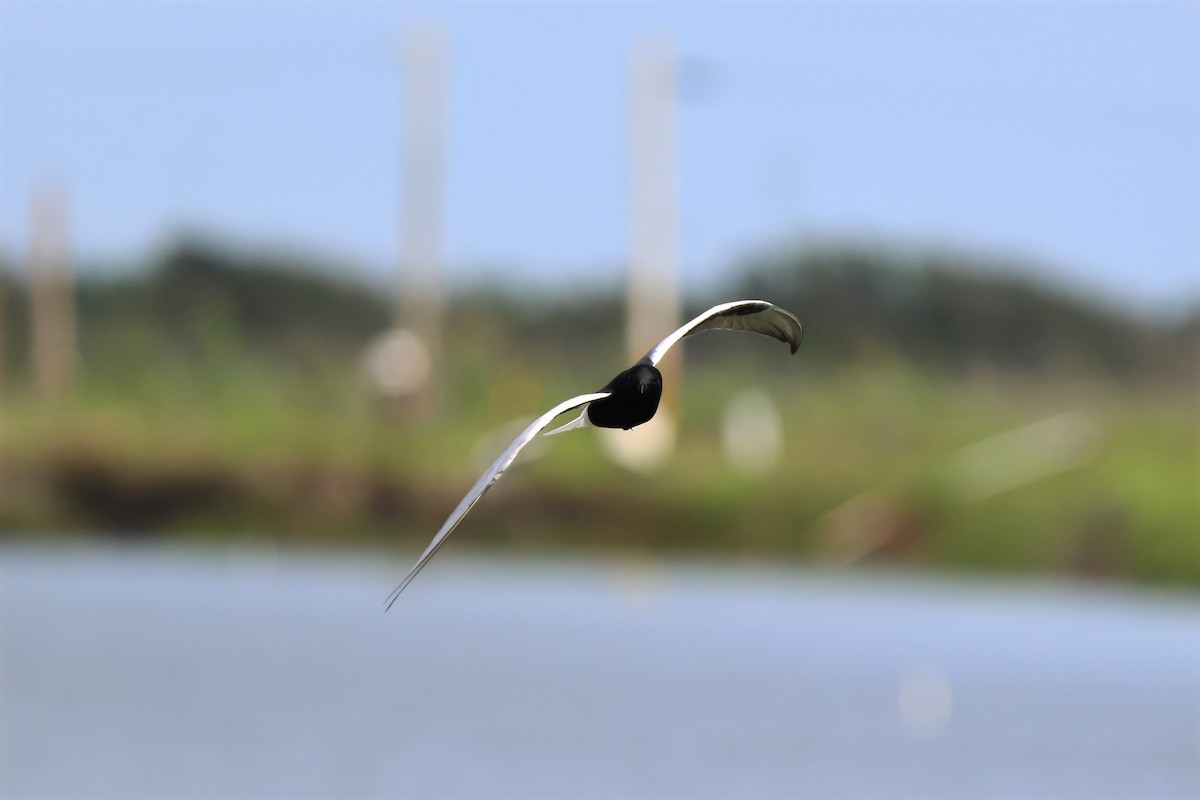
{"x":633,"y":399}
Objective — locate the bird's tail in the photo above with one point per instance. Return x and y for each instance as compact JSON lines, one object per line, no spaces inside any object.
{"x":579,"y":422}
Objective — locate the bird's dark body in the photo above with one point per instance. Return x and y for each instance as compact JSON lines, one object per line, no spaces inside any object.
{"x":635,"y":396}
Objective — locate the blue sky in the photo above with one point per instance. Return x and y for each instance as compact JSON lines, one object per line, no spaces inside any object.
{"x":1067,"y":134}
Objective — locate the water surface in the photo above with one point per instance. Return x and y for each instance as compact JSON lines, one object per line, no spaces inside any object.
{"x":164,"y":674}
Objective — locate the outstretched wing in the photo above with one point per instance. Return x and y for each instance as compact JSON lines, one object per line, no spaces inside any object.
{"x":756,"y":316}
{"x":485,"y":481}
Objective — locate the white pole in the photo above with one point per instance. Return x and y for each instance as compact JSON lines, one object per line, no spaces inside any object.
{"x":653,"y":301}
{"x":425,"y":82}
{"x":51,"y":294}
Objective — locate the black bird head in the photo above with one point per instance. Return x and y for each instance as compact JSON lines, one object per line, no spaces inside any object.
{"x":634,"y":400}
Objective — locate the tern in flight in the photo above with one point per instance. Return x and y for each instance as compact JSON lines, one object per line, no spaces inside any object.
{"x":627,"y":401}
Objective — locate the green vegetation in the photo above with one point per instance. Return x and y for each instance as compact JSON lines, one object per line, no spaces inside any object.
{"x":221,"y":396}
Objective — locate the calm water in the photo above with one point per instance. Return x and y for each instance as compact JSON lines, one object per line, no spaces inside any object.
{"x":163,"y":674}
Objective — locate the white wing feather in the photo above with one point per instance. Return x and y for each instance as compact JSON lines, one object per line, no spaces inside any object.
{"x":485,"y":481}
{"x":756,"y":316}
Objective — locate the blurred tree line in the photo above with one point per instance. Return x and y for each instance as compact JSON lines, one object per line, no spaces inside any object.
{"x":222,"y":393}
{"x":198,"y":302}
{"x":963,"y":313}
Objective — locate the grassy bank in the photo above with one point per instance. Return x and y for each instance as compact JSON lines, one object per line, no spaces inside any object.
{"x":883,"y":462}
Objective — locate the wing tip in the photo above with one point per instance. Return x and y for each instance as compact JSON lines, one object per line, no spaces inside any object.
{"x":798,"y":338}
{"x":794,"y":333}
{"x":395,"y":595}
